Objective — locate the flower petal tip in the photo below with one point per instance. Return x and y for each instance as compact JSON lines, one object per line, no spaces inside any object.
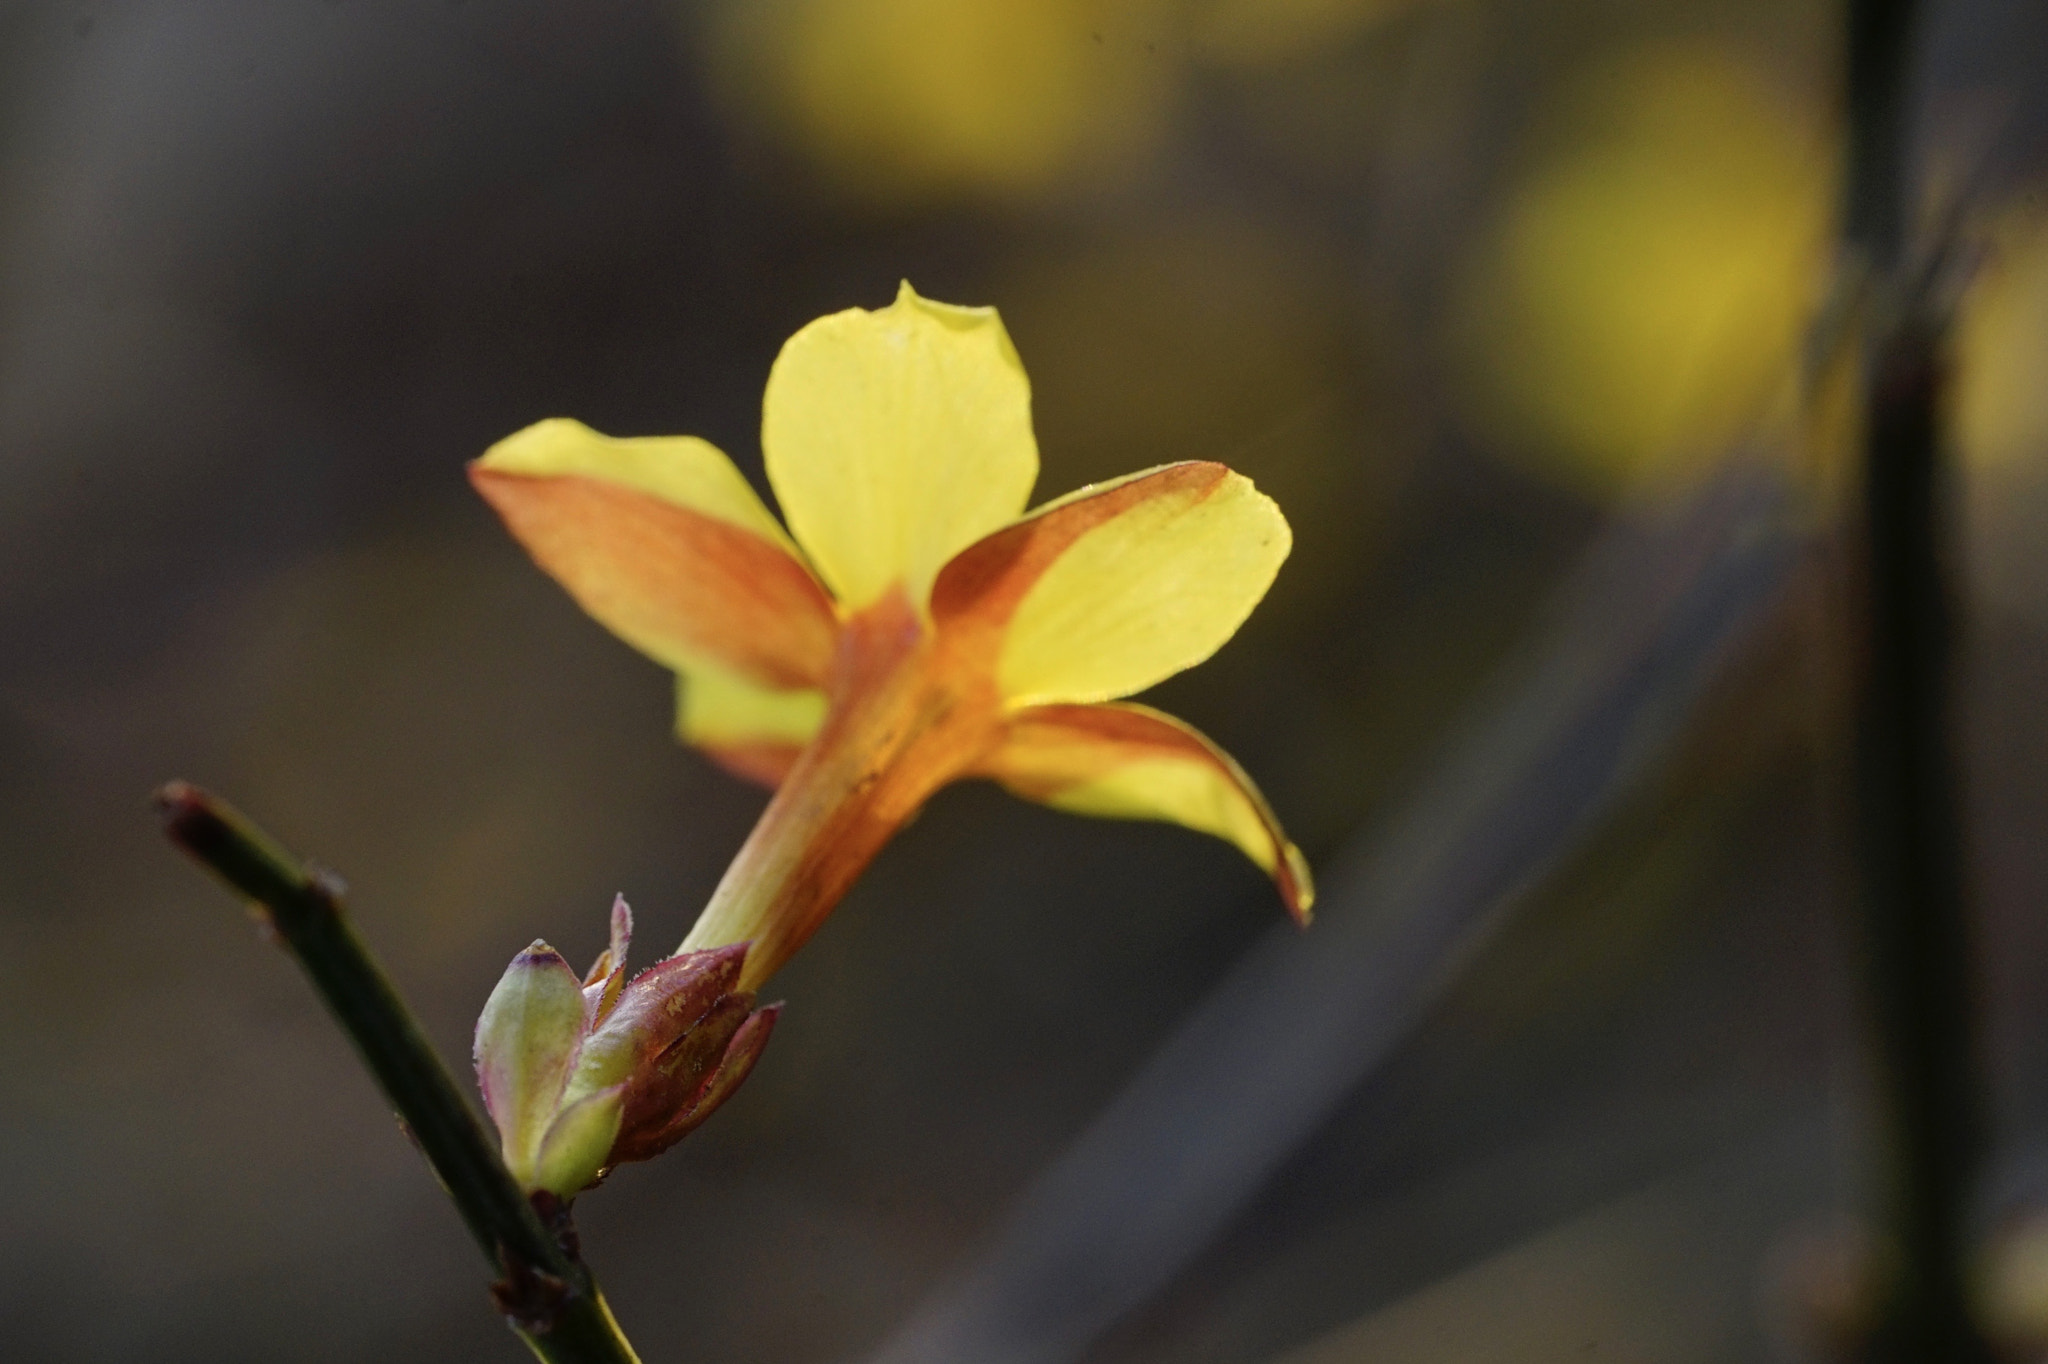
{"x":741,"y":1053}
{"x":1297,"y":885}
{"x":959,"y":315}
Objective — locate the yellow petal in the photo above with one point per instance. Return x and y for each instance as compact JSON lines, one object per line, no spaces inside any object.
{"x":689,"y":472}
{"x":1133,"y":762}
{"x":896,"y":438}
{"x":1113,"y":588}
{"x":661,"y":539}
{"x":753,"y":731}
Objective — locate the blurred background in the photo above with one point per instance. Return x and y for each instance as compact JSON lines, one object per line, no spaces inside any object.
{"x":1503,"y":301}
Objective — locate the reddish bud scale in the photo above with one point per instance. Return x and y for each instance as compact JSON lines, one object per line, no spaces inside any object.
{"x":577,"y":1086}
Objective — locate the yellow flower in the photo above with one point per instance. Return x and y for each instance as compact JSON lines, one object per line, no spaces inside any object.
{"x":926,"y":630}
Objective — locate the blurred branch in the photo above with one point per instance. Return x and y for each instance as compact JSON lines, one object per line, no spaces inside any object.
{"x":545,"y":1290}
{"x":1636,"y":635}
{"x":1879,"y":63}
{"x":1916,"y":934}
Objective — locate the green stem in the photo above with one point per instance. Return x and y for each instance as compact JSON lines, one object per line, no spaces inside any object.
{"x":548,"y":1293}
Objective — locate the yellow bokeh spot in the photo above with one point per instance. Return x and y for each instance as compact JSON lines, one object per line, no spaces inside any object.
{"x":1642,"y":296}
{"x":2001,"y":350}
{"x":916,"y":98}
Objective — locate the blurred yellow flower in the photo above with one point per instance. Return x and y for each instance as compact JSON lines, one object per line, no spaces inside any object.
{"x":910,"y":98}
{"x":918,"y":628}
{"x":915,"y":100}
{"x":2002,"y":348}
{"x":1642,"y":297}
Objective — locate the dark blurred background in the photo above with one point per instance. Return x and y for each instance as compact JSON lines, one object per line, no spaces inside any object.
{"x":1467,"y":285}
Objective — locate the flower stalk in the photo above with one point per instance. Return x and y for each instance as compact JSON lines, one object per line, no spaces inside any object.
{"x":895,"y":731}
{"x":547,"y":1293}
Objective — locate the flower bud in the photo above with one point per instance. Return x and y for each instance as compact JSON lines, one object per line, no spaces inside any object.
{"x":581,"y":1074}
